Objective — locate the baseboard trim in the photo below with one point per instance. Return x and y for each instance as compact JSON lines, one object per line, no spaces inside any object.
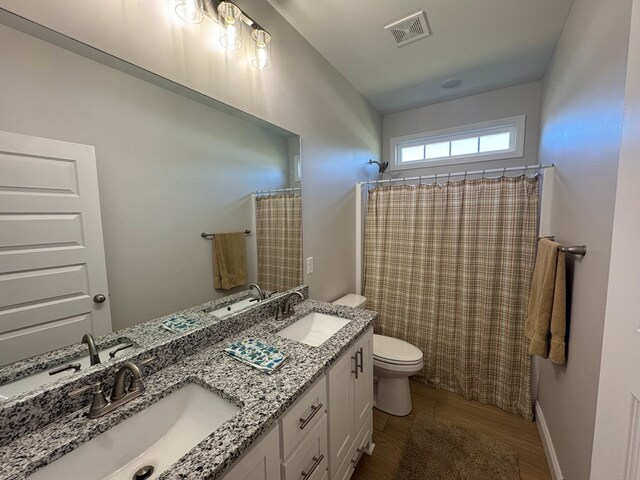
{"x":547,"y":443}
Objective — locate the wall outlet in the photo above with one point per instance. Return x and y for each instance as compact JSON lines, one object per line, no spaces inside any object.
{"x":309,"y":265}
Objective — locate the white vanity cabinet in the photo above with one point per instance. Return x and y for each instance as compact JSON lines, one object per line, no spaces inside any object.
{"x":261,"y":462}
{"x":325,"y":432}
{"x":350,"y":397}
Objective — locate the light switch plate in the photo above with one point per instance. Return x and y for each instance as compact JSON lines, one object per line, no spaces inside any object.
{"x":309,"y":265}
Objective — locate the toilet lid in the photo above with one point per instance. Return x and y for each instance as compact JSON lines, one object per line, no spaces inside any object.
{"x":394,"y":350}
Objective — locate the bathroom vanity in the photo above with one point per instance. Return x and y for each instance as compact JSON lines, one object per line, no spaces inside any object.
{"x":309,"y":419}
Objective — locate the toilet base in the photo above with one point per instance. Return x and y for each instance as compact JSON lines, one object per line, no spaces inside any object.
{"x":393,"y":396}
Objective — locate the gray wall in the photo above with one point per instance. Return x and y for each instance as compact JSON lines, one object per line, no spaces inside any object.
{"x":168,"y":169}
{"x":582,"y":111}
{"x":505,"y":102}
{"x":302,"y":93}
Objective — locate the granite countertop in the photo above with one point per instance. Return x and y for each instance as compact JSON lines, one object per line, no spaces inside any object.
{"x":143,"y":335}
{"x":262,"y":398}
{"x":36,"y":408}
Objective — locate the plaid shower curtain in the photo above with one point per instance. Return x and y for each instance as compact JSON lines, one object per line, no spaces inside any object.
{"x":279,"y":239}
{"x":448,"y":268}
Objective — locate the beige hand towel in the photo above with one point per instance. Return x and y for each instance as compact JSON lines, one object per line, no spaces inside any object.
{"x":229,"y":260}
{"x":547,"y":303}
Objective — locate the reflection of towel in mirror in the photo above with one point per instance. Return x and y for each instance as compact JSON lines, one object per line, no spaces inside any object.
{"x":547,"y":303}
{"x":229,"y":260}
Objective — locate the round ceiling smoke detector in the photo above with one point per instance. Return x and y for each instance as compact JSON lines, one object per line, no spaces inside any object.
{"x":451,"y":83}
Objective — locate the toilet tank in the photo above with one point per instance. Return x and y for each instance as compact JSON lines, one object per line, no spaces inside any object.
{"x":352,"y":300}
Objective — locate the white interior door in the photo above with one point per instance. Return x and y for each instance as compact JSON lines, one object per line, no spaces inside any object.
{"x":616,"y":447}
{"x":51,"y":251}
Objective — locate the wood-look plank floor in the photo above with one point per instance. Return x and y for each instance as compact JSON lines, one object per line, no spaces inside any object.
{"x":390,"y":433}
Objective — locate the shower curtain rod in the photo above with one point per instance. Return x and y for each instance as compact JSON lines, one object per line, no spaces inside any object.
{"x":276,"y":190}
{"x":460,"y":174}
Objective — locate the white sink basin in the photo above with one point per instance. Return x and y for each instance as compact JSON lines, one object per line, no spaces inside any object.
{"x":157,"y":436}
{"x":38,"y":379}
{"x":313,"y":329}
{"x":234,"y":307}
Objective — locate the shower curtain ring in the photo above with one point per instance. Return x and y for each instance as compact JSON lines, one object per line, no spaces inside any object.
{"x":449,"y":177}
{"x":504,"y":171}
{"x":483,"y":172}
{"x":420,"y":180}
{"x":436,"y":179}
{"x":465,"y":175}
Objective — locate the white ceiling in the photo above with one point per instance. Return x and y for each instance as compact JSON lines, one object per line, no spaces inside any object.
{"x":487,"y":44}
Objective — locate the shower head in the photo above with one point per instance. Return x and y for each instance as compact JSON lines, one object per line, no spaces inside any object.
{"x":381,"y":166}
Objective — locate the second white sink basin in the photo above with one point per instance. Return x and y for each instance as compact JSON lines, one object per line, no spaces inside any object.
{"x":313,"y":329}
{"x":157,"y":436}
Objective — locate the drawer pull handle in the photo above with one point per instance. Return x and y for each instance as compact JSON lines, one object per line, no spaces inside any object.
{"x":358,"y":456}
{"x":305,"y":421}
{"x":359,"y":364}
{"x":356,"y":370}
{"x":316,"y":461}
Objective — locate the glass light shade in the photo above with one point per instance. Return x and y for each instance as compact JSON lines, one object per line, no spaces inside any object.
{"x":230,"y":19}
{"x":190,"y":11}
{"x":261,"y":49}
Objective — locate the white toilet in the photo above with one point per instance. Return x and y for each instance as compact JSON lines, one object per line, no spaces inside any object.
{"x":394,"y":361}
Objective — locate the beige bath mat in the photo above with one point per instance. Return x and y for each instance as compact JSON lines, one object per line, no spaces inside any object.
{"x":439,"y":450}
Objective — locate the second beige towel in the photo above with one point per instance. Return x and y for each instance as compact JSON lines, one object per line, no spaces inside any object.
{"x":547,"y":304}
{"x":229,"y":260}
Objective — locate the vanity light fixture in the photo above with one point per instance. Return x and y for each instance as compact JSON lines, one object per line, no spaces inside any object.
{"x":261,"y":49}
{"x":190,"y":11}
{"x":232,"y":21}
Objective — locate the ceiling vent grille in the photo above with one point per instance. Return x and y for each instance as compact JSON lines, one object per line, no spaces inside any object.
{"x":409,"y":29}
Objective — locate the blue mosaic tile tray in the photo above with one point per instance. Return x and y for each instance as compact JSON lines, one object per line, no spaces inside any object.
{"x":256,"y":354}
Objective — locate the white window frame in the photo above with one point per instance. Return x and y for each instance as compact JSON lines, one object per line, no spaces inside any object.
{"x":515,"y":125}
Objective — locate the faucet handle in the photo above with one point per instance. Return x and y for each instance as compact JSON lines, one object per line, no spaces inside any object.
{"x":98,"y":402}
{"x":147,"y":361}
{"x":93,"y":388}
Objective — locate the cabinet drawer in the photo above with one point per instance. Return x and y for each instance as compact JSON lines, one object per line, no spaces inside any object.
{"x":303,"y":416}
{"x":309,"y":460}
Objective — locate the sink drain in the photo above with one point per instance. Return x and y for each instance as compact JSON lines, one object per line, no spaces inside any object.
{"x":144,"y":472}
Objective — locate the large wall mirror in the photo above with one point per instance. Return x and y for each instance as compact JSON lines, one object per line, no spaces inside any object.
{"x":171,"y":165}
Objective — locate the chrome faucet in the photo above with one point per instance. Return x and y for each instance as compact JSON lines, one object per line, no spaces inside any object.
{"x":94,"y":358}
{"x":120,"y":394}
{"x":287,"y":309}
{"x":260,"y":292}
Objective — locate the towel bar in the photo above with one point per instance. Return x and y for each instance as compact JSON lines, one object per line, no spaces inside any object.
{"x":573,"y":250}
{"x":211,"y":235}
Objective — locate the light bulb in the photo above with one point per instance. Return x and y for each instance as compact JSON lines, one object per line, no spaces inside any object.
{"x":262,"y":49}
{"x":189,"y":11}
{"x":229,"y":17}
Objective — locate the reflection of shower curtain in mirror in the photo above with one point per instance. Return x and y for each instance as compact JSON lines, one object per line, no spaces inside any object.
{"x":279,"y":240}
{"x":448,"y":268}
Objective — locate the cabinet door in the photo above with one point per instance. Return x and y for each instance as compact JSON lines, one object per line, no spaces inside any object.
{"x":341,"y":412}
{"x":364,"y":383}
{"x":262,"y":462}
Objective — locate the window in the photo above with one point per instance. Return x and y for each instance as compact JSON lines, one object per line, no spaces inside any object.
{"x":479,"y":142}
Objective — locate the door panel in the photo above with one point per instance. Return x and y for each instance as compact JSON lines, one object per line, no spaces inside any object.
{"x":51,"y":249}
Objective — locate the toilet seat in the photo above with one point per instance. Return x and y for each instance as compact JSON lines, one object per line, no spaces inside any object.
{"x":395,"y":352}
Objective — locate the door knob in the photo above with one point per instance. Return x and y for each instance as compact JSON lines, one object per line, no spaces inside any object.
{"x":99,"y":298}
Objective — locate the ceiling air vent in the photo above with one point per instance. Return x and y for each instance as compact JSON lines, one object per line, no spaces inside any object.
{"x":409,"y":29}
